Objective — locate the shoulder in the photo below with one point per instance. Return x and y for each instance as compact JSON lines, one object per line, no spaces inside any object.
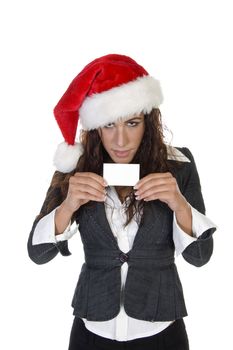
{"x":180,"y":154}
{"x":183,"y":165}
{"x":181,"y":161}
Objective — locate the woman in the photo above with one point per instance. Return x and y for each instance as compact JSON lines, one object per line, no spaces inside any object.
{"x":128,"y":293}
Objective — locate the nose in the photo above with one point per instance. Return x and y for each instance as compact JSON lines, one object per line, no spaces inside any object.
{"x":121,"y":137}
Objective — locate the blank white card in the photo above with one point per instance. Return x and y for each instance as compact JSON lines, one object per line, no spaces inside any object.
{"x":121,"y":174}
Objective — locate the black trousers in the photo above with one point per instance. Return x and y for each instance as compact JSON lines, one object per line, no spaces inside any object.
{"x":174,"y":337}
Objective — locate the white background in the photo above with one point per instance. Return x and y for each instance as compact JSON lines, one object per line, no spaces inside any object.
{"x":187,"y":45}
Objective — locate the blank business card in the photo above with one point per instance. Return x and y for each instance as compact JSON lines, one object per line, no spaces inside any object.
{"x":121,"y":174}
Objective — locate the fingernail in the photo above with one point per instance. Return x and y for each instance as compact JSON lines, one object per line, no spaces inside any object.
{"x":137,"y":198}
{"x":135,"y":187}
{"x":105,"y":183}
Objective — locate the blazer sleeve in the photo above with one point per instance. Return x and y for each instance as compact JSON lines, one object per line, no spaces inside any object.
{"x":198,"y":252}
{"x":43,"y":253}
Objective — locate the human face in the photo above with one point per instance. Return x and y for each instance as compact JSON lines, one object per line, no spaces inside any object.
{"x":122,"y":138}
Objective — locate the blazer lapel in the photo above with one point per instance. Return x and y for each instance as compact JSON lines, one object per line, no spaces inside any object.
{"x":97,"y":213}
{"x":153,"y":216}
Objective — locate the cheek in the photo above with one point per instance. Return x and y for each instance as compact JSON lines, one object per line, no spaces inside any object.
{"x":140,"y":135}
{"x":106,"y":140}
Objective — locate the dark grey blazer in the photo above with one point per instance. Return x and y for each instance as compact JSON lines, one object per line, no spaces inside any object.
{"x":153,"y":291}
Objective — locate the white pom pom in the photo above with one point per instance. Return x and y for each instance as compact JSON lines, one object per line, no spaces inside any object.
{"x":66,"y":156}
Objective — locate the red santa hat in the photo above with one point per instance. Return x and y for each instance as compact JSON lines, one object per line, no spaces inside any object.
{"x":110,"y":87}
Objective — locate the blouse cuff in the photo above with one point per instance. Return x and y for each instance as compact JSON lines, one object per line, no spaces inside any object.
{"x":200,"y":224}
{"x":45,"y":230}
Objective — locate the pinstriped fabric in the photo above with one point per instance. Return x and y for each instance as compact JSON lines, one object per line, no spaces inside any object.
{"x":153,"y":291}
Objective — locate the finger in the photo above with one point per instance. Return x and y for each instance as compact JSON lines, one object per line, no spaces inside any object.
{"x":154,"y":191}
{"x":150,"y":177}
{"x":162,"y":196}
{"x":84,"y":188}
{"x":93,"y":176}
{"x":90,"y":197}
{"x":87,"y":181}
{"x":156,"y":183}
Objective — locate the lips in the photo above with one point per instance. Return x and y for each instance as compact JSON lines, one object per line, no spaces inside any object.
{"x":121,"y":154}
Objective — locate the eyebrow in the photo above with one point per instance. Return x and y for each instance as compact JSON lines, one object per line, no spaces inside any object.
{"x":128,"y":120}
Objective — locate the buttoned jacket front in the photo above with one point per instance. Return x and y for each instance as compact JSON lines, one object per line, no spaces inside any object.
{"x":153,"y":291}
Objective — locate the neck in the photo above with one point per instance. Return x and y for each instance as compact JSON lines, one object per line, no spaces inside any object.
{"x":123,"y":191}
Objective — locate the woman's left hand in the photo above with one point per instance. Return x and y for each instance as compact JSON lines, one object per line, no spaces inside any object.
{"x":162,"y":186}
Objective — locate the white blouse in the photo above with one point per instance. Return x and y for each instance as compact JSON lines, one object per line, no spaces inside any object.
{"x":122,"y":327}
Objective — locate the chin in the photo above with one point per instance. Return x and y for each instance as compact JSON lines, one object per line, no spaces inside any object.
{"x":121,"y":160}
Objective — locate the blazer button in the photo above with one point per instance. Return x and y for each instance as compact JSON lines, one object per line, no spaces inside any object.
{"x":123,"y":257}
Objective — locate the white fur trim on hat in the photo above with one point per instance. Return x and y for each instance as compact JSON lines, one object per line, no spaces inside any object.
{"x":66,"y":156}
{"x":134,"y":97}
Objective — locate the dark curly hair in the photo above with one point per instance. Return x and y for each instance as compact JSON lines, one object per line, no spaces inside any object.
{"x":151,"y":155}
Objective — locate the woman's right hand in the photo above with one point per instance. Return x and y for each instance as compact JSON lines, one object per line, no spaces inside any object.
{"x":84,"y":187}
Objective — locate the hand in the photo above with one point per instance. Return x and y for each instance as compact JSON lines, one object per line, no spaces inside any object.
{"x":84,"y":187}
{"x":162,"y":186}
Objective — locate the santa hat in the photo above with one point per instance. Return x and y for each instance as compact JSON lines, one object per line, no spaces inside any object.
{"x":110,"y":87}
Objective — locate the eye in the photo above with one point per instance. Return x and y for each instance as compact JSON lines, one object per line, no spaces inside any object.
{"x":132,"y":123}
{"x":109,"y":125}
